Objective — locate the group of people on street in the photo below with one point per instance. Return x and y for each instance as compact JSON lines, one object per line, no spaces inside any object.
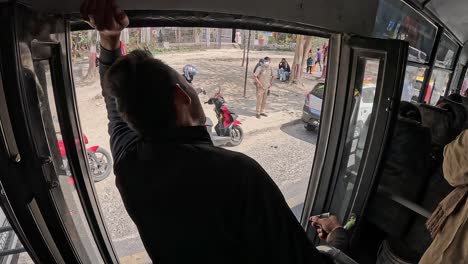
{"x":263,"y":75}
{"x":320,"y":58}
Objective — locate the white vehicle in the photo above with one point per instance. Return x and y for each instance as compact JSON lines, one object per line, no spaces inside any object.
{"x":313,"y":105}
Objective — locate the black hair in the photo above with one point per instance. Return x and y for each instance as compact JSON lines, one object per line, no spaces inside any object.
{"x":266,"y":58}
{"x":143,"y":88}
{"x":409,"y":110}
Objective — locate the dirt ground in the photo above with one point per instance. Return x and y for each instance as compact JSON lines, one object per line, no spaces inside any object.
{"x":218,"y":69}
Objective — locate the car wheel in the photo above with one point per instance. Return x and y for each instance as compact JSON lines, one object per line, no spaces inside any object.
{"x":310,"y":127}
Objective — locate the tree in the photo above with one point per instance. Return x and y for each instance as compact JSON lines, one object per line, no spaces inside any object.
{"x":145,"y":35}
{"x":207,"y":37}
{"x":92,"y":36}
{"x":196,"y":35}
{"x":296,"y":72}
{"x":219,"y":38}
{"x":304,"y":44}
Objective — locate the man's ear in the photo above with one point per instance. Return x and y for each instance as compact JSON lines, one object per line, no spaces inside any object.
{"x":181,"y":96}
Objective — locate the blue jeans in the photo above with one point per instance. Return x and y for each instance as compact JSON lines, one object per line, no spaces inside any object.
{"x":283,"y":75}
{"x":280,"y":73}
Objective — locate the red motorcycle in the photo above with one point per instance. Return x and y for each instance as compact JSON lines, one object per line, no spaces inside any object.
{"x":228,"y":129}
{"x":99,"y":160}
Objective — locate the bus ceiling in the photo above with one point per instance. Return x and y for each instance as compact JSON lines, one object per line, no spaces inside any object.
{"x":354,"y":16}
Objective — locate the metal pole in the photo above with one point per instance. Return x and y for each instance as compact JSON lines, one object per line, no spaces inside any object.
{"x":428,"y":73}
{"x":247,"y":65}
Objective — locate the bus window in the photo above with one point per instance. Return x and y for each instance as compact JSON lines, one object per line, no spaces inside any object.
{"x":414,"y":77}
{"x":225,"y":60}
{"x":464,"y":87}
{"x":438,"y":83}
{"x":397,"y":20}
{"x":445,"y":57}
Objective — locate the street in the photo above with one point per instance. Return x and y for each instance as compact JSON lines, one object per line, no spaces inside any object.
{"x":286,"y":153}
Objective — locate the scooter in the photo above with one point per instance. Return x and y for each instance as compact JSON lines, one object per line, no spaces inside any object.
{"x":99,"y":160}
{"x":228,"y":129}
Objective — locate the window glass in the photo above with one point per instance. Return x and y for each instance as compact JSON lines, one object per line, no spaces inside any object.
{"x":414,"y":78}
{"x":39,"y":82}
{"x":464,"y":87}
{"x":283,"y":147}
{"x":362,"y":110}
{"x":319,"y":90}
{"x":368,"y":94}
{"x":396,"y":20}
{"x":437,"y":86}
{"x":445,"y":57}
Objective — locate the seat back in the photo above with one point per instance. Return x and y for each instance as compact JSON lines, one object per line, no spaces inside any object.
{"x":464,"y":100}
{"x":440,"y":123}
{"x":459,"y":112}
{"x":406,"y":165}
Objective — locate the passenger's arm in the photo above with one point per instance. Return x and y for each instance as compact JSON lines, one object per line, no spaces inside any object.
{"x":121,"y":135}
{"x":106,"y":17}
{"x":270,"y":231}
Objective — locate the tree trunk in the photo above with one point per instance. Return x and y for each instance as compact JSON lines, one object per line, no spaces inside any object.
{"x":305,"y":55}
{"x":219,"y":37}
{"x":145,"y":35}
{"x":196,"y":35}
{"x":207,"y":37}
{"x":245,"y":47}
{"x":296,"y":72}
{"x":303,"y":45}
{"x":92,"y":35}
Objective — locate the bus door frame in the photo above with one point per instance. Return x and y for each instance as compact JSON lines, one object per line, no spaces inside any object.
{"x":342,"y":72}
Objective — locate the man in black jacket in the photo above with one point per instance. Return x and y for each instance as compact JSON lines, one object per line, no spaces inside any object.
{"x":283,"y":70}
{"x":192,"y":202}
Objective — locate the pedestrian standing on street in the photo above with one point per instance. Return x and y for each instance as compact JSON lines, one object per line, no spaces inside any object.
{"x":167,"y":170}
{"x":310,"y":62}
{"x":318,"y":58}
{"x":263,"y":77}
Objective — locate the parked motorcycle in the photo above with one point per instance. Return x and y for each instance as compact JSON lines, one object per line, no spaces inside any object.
{"x":99,"y":160}
{"x":228,"y":129}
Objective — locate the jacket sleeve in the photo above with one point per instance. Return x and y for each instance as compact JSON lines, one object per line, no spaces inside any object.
{"x":121,"y":135}
{"x":339,"y":239}
{"x":271,"y":232}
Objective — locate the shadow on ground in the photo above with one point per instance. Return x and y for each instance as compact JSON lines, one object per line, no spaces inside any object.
{"x":302,"y":134}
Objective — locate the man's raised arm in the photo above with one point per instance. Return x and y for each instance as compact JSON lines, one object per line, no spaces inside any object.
{"x":110,"y":20}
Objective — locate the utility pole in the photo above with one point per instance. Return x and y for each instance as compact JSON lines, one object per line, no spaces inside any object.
{"x":247,"y":65}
